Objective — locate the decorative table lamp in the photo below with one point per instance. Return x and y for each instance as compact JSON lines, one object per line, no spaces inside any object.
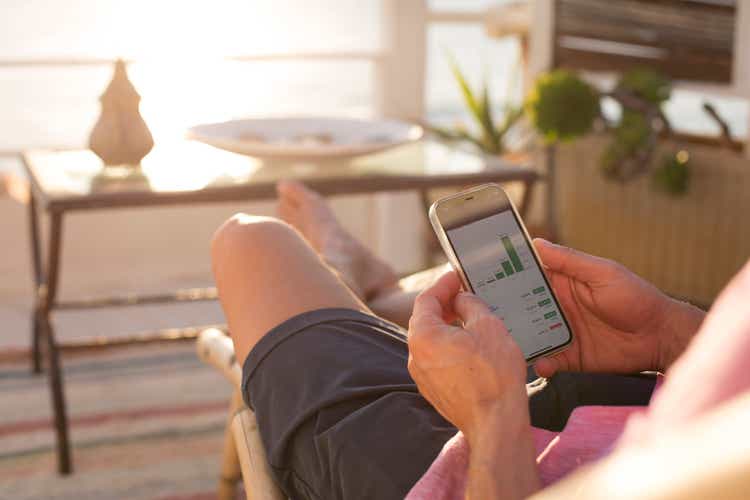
{"x":120,"y":137}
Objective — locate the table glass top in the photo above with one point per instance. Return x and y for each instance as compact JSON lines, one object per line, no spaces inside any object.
{"x":192,"y":166}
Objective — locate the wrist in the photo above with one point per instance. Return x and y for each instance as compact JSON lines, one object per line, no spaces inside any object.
{"x":507,"y":416}
{"x":502,"y":460}
{"x":679,"y":324}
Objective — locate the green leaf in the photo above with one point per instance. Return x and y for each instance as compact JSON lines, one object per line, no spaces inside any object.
{"x":510,"y":117}
{"x":673,"y":175}
{"x":468,"y":95}
{"x":486,"y":123}
{"x":647,"y":84}
{"x":455,"y":135}
{"x":479,"y":108}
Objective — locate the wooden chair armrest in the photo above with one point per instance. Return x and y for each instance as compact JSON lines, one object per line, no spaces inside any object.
{"x":216,"y":348}
{"x":256,"y":473}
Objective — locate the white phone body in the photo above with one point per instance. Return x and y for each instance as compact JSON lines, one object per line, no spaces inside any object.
{"x":485,"y":240}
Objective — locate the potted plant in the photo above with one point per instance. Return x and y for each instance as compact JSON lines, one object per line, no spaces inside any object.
{"x":635,"y":190}
{"x":491,"y":132}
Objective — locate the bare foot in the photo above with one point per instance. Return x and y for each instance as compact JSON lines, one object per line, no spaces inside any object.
{"x":307,"y":211}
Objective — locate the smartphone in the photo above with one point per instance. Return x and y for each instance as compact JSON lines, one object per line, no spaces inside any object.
{"x":486,"y":242}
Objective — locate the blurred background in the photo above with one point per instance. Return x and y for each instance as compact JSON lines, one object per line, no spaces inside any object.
{"x":183,"y":81}
{"x":147,"y":422}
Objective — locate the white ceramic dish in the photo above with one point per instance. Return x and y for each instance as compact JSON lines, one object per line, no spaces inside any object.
{"x":306,"y":138}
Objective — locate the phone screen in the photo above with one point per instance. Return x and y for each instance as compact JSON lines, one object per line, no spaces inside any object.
{"x":503,"y":270}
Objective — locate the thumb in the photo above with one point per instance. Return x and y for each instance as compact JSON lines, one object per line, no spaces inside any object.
{"x":572,"y":263}
{"x":546,"y":367}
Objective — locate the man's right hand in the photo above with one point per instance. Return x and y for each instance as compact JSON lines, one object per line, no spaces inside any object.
{"x":620,"y":322}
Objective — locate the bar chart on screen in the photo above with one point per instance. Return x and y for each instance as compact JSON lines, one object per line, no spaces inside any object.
{"x":513,"y":262}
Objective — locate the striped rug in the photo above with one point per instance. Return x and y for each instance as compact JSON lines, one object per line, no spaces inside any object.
{"x":146,"y":423}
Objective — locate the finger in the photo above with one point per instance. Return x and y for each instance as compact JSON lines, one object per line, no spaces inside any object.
{"x":546,"y":367}
{"x":287,"y":186}
{"x":572,"y":263}
{"x":285,"y":205}
{"x":443,"y":290}
{"x":469,"y":307}
{"x":285,"y":196}
{"x":436,"y":301}
{"x":287,"y":211}
{"x":294,"y":190}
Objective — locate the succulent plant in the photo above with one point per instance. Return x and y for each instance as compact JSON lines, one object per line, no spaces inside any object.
{"x":492,"y":131}
{"x":562,"y":106}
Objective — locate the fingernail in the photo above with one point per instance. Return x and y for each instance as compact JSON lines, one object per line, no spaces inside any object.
{"x":542,"y":241}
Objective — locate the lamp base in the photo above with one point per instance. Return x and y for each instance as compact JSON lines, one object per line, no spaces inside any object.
{"x":114,"y":177}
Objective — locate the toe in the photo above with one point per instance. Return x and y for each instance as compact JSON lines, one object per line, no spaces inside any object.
{"x":298,"y":191}
{"x":286,"y":191}
{"x":287,"y":211}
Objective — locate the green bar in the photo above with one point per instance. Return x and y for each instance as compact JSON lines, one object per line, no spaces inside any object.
{"x":512,"y":254}
{"x":544,"y":302}
{"x":499,"y":275}
{"x":550,"y":314}
{"x":507,"y":268}
{"x":538,"y":290}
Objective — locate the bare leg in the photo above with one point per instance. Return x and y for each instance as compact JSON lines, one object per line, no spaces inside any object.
{"x":396,"y":302}
{"x":306,"y":210}
{"x":370,"y":278}
{"x":266,"y":273}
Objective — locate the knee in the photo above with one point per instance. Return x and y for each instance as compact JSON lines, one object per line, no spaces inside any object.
{"x":247,"y":237}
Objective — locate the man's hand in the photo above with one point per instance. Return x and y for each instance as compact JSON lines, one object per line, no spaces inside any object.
{"x":475,"y":375}
{"x":620,"y":322}
{"x":465,"y":372}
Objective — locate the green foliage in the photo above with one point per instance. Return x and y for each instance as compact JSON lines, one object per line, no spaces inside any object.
{"x":633,"y":130}
{"x":491,"y":138}
{"x":630,"y":152}
{"x":673,"y":175}
{"x":562,"y":107}
{"x":646,"y":84}
{"x":629,"y":137}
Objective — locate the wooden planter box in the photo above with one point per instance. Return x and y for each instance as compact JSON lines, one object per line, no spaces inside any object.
{"x":689,"y":246}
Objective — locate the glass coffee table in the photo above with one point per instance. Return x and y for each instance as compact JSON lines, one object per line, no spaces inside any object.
{"x":186,"y":173}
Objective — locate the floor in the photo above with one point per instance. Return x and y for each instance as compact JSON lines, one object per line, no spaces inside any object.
{"x":145,"y":424}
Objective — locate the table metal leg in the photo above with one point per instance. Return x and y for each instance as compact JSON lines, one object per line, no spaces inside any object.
{"x":36,"y":348}
{"x":47,"y":293}
{"x":36,"y":265}
{"x":64,"y":460}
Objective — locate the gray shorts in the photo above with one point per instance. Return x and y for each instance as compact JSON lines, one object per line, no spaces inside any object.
{"x":341,"y":418}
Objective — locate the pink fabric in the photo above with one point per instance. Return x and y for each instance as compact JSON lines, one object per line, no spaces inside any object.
{"x":591,"y":431}
{"x":710,"y":372}
{"x":715,"y":359}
